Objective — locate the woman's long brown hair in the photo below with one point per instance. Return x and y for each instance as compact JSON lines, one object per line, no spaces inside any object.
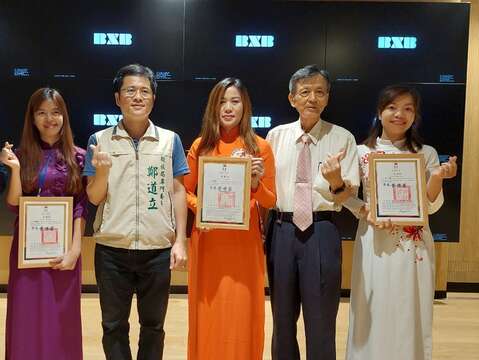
{"x":210,"y":129}
{"x":30,"y":145}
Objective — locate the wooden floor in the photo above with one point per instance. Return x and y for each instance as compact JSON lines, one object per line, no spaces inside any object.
{"x":456,"y":328}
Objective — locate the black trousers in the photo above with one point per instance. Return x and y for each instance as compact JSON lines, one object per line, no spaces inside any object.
{"x":119,"y":274}
{"x":304,"y":269}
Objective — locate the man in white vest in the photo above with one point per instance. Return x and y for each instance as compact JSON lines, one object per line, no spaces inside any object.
{"x":135,"y":175}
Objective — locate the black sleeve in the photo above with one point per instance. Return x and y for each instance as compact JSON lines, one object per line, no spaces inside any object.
{"x":3,"y":178}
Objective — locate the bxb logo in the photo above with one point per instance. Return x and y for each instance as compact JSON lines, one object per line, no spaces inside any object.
{"x":124,"y":39}
{"x":259,"y":122}
{"x":105,"y":119}
{"x":397,"y":42}
{"x":265,"y":41}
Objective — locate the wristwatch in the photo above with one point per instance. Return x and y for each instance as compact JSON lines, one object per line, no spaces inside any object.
{"x":338,"y":190}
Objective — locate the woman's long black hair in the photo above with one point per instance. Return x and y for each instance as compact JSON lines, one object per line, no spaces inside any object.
{"x":414,"y":141}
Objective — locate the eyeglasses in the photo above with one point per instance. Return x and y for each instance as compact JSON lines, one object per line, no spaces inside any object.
{"x":130,"y":92}
{"x":45,"y":114}
{"x":307,"y":93}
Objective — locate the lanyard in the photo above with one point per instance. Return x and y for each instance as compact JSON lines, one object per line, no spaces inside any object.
{"x":43,"y":173}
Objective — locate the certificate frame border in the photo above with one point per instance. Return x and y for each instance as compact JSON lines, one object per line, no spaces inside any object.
{"x":26,"y":201}
{"x":375,"y":158}
{"x":246,"y":192}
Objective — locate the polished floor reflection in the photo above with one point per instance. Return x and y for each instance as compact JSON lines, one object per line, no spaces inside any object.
{"x":456,"y":328}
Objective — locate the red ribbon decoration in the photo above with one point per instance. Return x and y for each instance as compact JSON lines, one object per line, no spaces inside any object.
{"x":413,"y":232}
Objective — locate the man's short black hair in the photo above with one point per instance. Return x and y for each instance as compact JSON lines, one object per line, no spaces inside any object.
{"x":134,"y":70}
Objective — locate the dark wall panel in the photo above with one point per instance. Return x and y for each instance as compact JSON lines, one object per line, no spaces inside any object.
{"x":191,"y":44}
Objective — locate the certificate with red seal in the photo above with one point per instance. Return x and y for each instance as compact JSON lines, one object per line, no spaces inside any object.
{"x":224,"y":188}
{"x":398,"y":188}
{"x":45,"y":230}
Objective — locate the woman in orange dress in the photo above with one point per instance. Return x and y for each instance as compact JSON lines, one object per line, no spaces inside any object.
{"x":226,"y":267}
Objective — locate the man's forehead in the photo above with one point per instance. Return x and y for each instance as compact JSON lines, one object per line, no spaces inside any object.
{"x":314,"y":81}
{"x":136,"y":80}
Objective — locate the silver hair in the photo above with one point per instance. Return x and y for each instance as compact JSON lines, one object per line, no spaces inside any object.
{"x":307,"y":72}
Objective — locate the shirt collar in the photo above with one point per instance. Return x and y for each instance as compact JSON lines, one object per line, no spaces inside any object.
{"x":231,"y":136}
{"x":151,"y":132}
{"x":398,"y":143}
{"x":46,"y":146}
{"x":314,"y":134}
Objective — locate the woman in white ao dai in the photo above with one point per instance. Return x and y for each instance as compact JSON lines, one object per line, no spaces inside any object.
{"x":392,"y":284}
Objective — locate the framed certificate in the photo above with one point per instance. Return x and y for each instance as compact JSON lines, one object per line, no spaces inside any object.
{"x":398,"y":188}
{"x":45,"y":230}
{"x":224,"y":189}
